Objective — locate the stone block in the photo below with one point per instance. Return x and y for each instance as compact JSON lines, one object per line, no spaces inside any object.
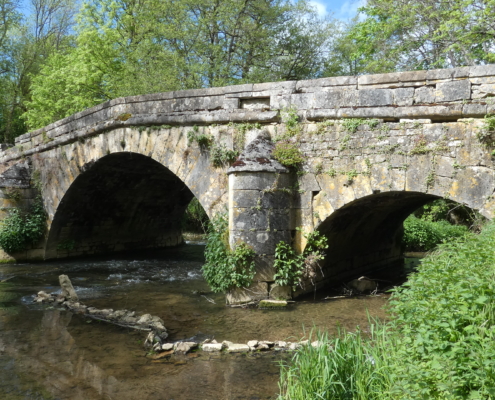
{"x":325,"y":82}
{"x":280,"y":292}
{"x":378,"y":78}
{"x":303,"y":101}
{"x":403,"y":96}
{"x":452,"y":91}
{"x":262,"y":242}
{"x":336,"y":99}
{"x":367,"y":112}
{"x":474,"y":110}
{"x":438,"y":75}
{"x":424,"y":95}
{"x":260,"y":180}
{"x":230,"y":104}
{"x":316,"y":115}
{"x":375,"y":97}
{"x":246,"y":198}
{"x":212,"y":347}
{"x":482,"y":70}
{"x":308,"y":182}
{"x":237,"y":348}
{"x":264,"y":269}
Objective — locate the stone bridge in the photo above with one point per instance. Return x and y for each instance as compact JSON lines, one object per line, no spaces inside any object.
{"x":119,"y":176}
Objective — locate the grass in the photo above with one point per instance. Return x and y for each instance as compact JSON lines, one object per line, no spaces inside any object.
{"x":437,"y":345}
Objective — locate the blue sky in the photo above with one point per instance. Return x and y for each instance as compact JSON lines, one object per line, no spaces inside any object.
{"x":342,"y":9}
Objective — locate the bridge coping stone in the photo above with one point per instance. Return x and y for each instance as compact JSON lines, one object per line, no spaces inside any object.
{"x":391,"y":81}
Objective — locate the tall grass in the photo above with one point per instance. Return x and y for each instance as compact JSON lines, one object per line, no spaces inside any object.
{"x":438,"y":344}
{"x":349,"y":366}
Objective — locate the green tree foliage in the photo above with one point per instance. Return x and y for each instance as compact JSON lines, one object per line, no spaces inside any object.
{"x":425,"y":34}
{"x":129,"y":47}
{"x":25,"y":44}
{"x":195,"y":218}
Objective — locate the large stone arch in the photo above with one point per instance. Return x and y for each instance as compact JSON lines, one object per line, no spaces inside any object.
{"x":363,"y":217}
{"x":135,"y":168}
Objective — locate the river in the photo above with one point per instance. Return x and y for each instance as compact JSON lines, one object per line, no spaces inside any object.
{"x":49,"y":353}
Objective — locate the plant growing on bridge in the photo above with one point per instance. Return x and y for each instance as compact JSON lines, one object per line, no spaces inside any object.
{"x":221,"y":156}
{"x":352,"y":124}
{"x":293,"y":268}
{"x":225,"y":268}
{"x":203,"y":140}
{"x":291,"y":120}
{"x":288,"y":154}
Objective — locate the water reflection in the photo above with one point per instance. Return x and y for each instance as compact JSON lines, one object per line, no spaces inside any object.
{"x":51,"y":353}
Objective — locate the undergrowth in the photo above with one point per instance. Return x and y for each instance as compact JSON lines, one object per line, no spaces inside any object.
{"x":225,"y":268}
{"x":425,"y":235}
{"x":292,"y":268}
{"x":437,"y":345}
{"x":20,"y":228}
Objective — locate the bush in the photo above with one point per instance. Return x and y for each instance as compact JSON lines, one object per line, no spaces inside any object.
{"x":226,"y":269}
{"x":292,"y":268}
{"x":195,"y":218}
{"x":19,"y":230}
{"x":424,"y":235}
{"x":437,"y":345}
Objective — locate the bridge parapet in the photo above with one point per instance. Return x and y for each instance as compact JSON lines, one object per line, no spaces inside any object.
{"x":442,"y":95}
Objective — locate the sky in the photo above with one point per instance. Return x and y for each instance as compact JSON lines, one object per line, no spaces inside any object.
{"x":341,"y":9}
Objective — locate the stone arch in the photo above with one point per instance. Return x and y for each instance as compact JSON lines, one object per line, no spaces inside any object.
{"x":365,"y":234}
{"x":109,"y":163}
{"x":364,"y":222}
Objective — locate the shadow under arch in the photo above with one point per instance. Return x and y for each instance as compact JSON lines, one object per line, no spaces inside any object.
{"x":122,"y":201}
{"x":364,"y":236}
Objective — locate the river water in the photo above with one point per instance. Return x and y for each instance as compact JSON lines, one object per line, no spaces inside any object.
{"x":49,"y":353}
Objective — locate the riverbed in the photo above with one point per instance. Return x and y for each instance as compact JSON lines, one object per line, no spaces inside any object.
{"x":49,"y":353}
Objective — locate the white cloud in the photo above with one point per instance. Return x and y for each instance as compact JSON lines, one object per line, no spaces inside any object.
{"x":320,"y":8}
{"x":349,"y":9}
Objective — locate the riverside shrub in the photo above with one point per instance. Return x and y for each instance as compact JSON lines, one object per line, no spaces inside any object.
{"x":226,"y":269}
{"x":438,"y":343}
{"x":424,"y":235}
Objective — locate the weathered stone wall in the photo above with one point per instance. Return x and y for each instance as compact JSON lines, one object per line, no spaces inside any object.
{"x":118,"y":175}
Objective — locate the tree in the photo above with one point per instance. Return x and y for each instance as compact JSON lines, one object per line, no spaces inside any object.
{"x":131,"y":47}
{"x":24,"y":46}
{"x":425,"y":34}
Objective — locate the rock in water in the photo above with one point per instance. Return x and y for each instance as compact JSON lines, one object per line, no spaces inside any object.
{"x":67,"y":289}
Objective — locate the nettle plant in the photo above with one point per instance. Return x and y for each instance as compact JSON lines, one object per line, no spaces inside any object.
{"x":226,"y":269}
{"x":293,"y":268}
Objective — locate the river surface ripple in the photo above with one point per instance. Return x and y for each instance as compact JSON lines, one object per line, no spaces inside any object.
{"x":49,"y":353}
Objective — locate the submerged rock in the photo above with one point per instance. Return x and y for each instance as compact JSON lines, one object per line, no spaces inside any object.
{"x":272,"y":304}
{"x":363,"y":284}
